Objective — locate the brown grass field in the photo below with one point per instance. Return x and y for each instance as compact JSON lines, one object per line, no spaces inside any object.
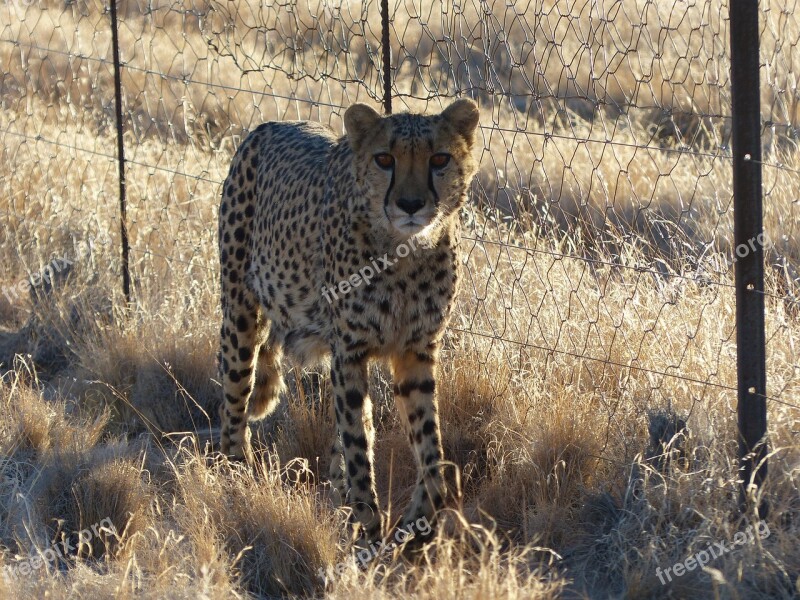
{"x":598,"y":309}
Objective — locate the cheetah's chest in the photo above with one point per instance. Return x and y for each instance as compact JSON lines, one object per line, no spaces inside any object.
{"x":401,"y":307}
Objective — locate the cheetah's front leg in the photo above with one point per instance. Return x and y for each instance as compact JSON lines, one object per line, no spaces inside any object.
{"x":415,"y":396}
{"x":355,"y":426}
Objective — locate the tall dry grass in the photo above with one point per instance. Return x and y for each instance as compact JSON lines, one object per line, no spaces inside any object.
{"x":597,"y":304}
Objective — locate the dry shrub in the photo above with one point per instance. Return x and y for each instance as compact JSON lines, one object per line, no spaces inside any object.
{"x":279,"y":535}
{"x":35,"y":428}
{"x":305,"y":430}
{"x":587,"y":310}
{"x":153,"y":382}
{"x":468,"y":561}
{"x":63,"y":477}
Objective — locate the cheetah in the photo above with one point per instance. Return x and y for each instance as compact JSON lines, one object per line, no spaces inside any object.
{"x":345,"y":250}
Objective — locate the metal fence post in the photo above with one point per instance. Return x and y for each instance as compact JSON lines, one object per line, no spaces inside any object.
{"x":749,"y":244}
{"x":123,"y":227}
{"x":386,"y":51}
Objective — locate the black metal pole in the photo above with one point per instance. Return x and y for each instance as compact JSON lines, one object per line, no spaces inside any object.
{"x":749,"y":239}
{"x":386,"y":51}
{"x":123,"y":227}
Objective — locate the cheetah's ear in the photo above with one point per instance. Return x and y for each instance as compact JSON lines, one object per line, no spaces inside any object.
{"x":463,"y":114}
{"x":359,"y":121}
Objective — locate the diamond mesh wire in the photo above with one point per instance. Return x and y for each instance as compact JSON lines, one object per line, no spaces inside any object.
{"x":598,"y":239}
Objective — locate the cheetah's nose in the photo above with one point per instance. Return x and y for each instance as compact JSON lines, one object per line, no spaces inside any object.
{"x":410,"y":205}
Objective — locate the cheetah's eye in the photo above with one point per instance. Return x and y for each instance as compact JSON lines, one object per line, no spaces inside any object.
{"x":439,"y":160}
{"x":384,"y":161}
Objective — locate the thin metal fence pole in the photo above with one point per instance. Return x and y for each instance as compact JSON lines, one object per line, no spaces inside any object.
{"x":749,"y":246}
{"x":386,"y":51}
{"x":123,"y":227}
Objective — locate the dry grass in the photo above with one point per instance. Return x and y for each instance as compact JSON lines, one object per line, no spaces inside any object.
{"x":559,"y":357}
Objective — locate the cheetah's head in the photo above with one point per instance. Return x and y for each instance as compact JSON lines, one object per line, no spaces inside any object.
{"x":412,"y":170}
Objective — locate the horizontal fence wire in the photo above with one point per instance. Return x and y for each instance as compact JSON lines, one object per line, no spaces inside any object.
{"x":598,"y":238}
{"x":494,"y":336}
{"x":643,"y":269}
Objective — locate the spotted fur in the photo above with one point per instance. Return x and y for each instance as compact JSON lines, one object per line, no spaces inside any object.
{"x":302,"y":211}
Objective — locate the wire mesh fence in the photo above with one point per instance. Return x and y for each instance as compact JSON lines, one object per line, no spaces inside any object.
{"x":599,"y":236}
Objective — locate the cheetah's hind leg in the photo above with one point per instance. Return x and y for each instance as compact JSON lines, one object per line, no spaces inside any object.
{"x":251,"y":376}
{"x":269,"y":379}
